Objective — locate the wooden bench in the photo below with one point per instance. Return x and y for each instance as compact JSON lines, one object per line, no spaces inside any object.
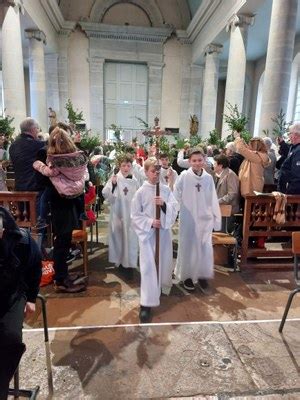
{"x":258,"y":222}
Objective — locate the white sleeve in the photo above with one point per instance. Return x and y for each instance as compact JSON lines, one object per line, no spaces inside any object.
{"x":141,"y":223}
{"x":181,"y":161}
{"x":168,"y":219}
{"x":178,"y":187}
{"x":216,"y":208}
{"x":107,"y":192}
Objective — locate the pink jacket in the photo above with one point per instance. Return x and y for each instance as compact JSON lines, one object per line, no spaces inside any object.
{"x":67,"y":172}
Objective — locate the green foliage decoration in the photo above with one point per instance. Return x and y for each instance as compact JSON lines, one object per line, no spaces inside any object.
{"x":235,"y":120}
{"x":74,"y":116}
{"x":6,"y":127}
{"x":280,"y":125}
{"x":88,"y":142}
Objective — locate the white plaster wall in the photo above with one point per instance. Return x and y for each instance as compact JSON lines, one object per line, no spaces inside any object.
{"x":78,"y":73}
{"x":171,"y":84}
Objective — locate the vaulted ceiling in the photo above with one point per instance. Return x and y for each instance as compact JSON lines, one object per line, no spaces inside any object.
{"x":177,"y":13}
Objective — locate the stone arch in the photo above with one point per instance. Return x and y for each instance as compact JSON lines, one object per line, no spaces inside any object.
{"x":116,"y":15}
{"x":149,"y":7}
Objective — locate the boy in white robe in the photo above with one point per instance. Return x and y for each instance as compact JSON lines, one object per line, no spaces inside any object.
{"x":144,"y":223}
{"x":199,"y":215}
{"x":168,"y":175}
{"x":123,"y":244}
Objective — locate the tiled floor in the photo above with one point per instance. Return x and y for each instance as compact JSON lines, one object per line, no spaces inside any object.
{"x":222,"y":346}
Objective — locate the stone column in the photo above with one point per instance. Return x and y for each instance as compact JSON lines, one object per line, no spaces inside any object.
{"x":196,"y":91}
{"x":97,"y":94}
{"x":236,"y":69}
{"x":52,"y":87}
{"x":63,"y":76}
{"x":37,"y":77}
{"x":279,"y":61}
{"x":155,"y":90}
{"x":12,"y":67}
{"x":210,"y":89}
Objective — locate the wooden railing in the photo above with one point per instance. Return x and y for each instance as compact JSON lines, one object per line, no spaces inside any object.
{"x":258,"y":222}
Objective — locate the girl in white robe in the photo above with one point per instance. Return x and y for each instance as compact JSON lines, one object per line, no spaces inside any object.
{"x":122,"y":242}
{"x":199,"y":215}
{"x":144,"y":223}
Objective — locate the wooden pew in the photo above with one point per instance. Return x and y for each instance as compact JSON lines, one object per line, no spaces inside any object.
{"x":22,"y":205}
{"x":258,"y":222}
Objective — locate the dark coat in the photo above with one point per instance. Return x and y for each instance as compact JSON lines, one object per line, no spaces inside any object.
{"x":20,"y":264}
{"x":235,"y":162}
{"x":289,"y":175}
{"x":23,"y":152}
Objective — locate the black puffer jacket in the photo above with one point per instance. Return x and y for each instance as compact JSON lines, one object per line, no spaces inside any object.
{"x":20,"y":264}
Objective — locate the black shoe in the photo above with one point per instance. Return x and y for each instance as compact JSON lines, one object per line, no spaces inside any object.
{"x":70,"y":258}
{"x":204,"y":286}
{"x":121,"y":268}
{"x":189,"y":285}
{"x":145,"y":314}
{"x":126,"y":272}
{"x":67,"y":286}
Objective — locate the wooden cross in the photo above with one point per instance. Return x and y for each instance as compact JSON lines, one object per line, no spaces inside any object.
{"x":198,"y":186}
{"x":157,"y":133}
{"x":125,"y":190}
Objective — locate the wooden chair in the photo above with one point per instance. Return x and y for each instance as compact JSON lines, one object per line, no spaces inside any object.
{"x":90,"y":224}
{"x":22,"y":206}
{"x":296,"y":253}
{"x":81,"y":236}
{"x":224,"y":238}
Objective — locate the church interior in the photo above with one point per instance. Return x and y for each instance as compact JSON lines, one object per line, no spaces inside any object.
{"x":121,"y":65}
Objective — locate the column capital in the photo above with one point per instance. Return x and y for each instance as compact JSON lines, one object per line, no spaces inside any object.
{"x":35,"y":34}
{"x":213,"y":48}
{"x":155,"y":64}
{"x":240,"y":20}
{"x":96,"y":60}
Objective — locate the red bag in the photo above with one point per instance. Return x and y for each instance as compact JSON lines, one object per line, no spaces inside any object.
{"x":47,"y":273}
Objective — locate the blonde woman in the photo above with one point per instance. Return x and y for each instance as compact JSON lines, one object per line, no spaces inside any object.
{"x":251,"y":173}
{"x":66,"y":168}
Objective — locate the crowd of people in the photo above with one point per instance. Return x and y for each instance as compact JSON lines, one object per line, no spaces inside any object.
{"x":194,"y":184}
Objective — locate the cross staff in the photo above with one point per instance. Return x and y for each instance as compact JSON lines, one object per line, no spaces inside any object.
{"x":157,"y":133}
